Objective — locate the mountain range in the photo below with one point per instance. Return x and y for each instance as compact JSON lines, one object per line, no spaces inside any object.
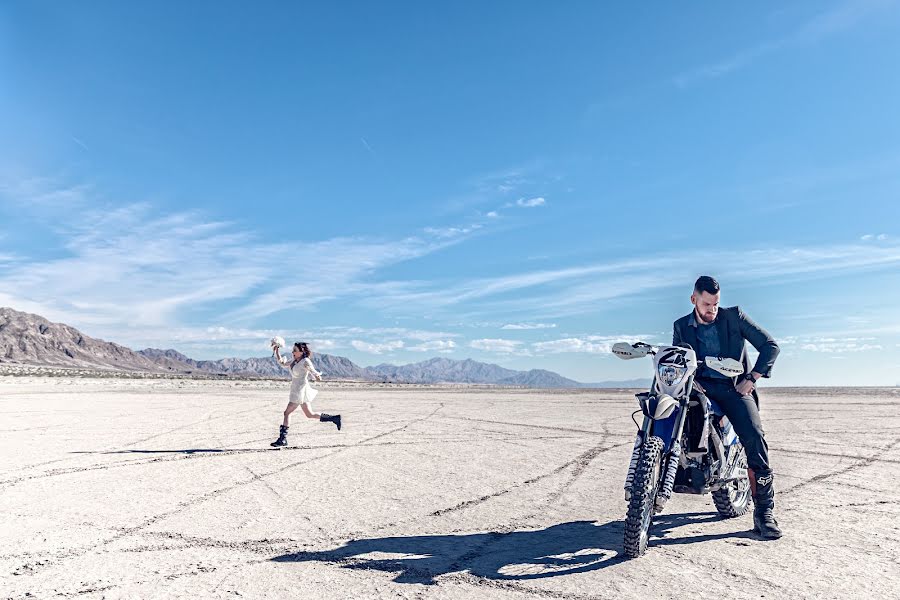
{"x":31,"y":339}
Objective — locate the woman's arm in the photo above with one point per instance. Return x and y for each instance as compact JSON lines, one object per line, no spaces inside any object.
{"x":312,"y":369}
{"x":281,"y":361}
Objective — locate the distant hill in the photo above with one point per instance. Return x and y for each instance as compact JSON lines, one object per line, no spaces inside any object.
{"x":31,"y":339}
{"x":622,"y":384}
{"x":443,"y":370}
{"x":539,"y":378}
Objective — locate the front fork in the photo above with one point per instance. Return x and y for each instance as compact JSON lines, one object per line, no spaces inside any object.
{"x":671,"y":463}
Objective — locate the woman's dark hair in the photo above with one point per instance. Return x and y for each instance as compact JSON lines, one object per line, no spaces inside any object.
{"x":707,"y":284}
{"x":303,"y":347}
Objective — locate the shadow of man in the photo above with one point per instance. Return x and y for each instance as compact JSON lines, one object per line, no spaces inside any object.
{"x":563,"y":549}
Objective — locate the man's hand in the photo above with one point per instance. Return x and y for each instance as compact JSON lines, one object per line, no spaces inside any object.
{"x":745,"y":387}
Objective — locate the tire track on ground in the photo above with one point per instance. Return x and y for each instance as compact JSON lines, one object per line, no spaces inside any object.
{"x":125,"y":532}
{"x":871,"y":459}
{"x":67,"y":458}
{"x":581,"y":461}
{"x":864,"y":462}
{"x":580,"y":464}
{"x":189,"y":455}
{"x":568,"y":429}
{"x":514,"y":586}
{"x":193,"y":455}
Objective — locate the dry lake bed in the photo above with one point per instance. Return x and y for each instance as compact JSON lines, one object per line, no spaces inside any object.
{"x":130,"y":488}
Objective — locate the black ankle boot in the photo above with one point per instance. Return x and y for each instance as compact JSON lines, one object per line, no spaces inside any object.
{"x":764,"y":522}
{"x":336,"y":419}
{"x":282,"y":437}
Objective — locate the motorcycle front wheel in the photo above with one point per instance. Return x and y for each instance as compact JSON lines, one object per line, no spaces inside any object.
{"x":644,"y":487}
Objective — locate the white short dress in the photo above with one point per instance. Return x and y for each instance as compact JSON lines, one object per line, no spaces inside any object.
{"x":301,"y":391}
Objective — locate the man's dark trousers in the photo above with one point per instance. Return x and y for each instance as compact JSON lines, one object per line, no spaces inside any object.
{"x":744,"y":416}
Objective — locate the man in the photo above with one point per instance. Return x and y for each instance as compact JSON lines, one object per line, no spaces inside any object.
{"x":714,"y":331}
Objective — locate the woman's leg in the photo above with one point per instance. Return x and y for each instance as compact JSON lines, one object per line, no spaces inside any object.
{"x":282,"y":432}
{"x":308,"y":412}
{"x":291,"y":407}
{"x":336,"y":419}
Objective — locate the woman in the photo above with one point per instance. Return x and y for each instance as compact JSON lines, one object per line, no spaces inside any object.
{"x":302,"y":393}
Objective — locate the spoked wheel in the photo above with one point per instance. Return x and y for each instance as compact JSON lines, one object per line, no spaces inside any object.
{"x":733,"y":500}
{"x":644,"y":487}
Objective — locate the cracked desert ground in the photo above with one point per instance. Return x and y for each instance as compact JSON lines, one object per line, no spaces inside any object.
{"x":118,"y":488}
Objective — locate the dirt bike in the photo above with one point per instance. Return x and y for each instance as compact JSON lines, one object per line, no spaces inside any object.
{"x":685,"y":444}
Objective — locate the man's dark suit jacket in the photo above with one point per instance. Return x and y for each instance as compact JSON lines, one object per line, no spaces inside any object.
{"x":733,"y":327}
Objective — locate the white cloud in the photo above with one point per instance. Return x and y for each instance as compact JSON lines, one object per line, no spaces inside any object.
{"x":590,"y":344}
{"x":320,"y":345}
{"x":554,"y":293}
{"x":571,"y":345}
{"x":396,"y":332}
{"x":121,"y":269}
{"x":180,"y":263}
{"x":452,"y":232}
{"x":523,"y":326}
{"x":839,"y":18}
{"x":834,"y":345}
{"x":502,"y":182}
{"x":435,"y":346}
{"x":492,"y":214}
{"x":530,"y":202}
{"x":377,"y":348}
{"x":499,"y":346}
{"x":882,"y":237}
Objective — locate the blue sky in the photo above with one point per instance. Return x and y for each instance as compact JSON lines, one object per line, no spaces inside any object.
{"x":516,"y":182}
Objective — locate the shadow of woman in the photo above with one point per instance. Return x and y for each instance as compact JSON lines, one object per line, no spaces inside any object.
{"x":563,"y":549}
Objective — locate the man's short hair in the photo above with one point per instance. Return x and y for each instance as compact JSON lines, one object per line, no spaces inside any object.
{"x":707,"y":284}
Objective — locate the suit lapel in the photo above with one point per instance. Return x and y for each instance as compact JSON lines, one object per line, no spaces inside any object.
{"x":690,"y":336}
{"x":722,"y":330}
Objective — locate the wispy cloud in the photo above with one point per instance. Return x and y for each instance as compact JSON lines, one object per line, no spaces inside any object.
{"x":836,"y":19}
{"x":368,"y":146}
{"x":531,"y":202}
{"x":128,"y":267}
{"x":840,"y":345}
{"x":452,"y":232}
{"x":442,"y":346}
{"x":500,"y":346}
{"x":571,"y":345}
{"x":525,"y":326}
{"x":871,"y":236}
{"x":80,"y":143}
{"x":568,"y":291}
{"x":590,"y":344}
{"x":378,"y":348}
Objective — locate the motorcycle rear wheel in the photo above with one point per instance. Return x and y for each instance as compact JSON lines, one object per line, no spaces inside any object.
{"x":733,"y":500}
{"x":644,"y":488}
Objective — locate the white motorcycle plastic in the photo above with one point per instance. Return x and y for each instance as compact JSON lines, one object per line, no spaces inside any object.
{"x":685,"y":444}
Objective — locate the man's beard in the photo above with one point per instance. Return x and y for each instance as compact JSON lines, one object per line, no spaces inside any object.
{"x":706,"y":319}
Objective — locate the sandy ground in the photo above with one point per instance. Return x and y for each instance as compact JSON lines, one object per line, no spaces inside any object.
{"x":168,"y":489}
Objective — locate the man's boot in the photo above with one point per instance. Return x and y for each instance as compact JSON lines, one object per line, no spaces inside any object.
{"x":336,"y":419}
{"x":764,"y":523}
{"x":282,"y":438}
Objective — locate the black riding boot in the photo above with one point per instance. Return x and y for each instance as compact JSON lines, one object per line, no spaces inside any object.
{"x":282,"y":437}
{"x":336,"y":419}
{"x":764,"y":522}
